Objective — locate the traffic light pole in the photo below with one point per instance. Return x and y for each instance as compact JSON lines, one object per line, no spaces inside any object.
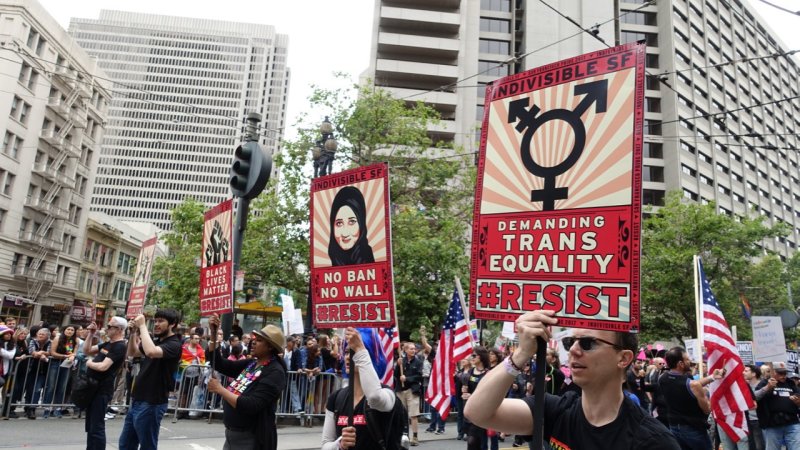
{"x":250,"y":173}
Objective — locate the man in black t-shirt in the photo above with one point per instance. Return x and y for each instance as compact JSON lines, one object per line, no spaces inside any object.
{"x":599,"y":419}
{"x":150,"y":390}
{"x":103,"y":367}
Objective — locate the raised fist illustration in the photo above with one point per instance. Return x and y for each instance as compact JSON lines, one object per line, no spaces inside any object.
{"x":217,"y":249}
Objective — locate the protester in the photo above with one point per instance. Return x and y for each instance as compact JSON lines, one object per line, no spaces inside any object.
{"x":250,"y":400}
{"x":554,"y":377}
{"x":756,"y":437}
{"x":62,"y":356}
{"x":778,"y":400}
{"x":367,"y":390}
{"x":479,"y":359}
{"x":150,"y":392}
{"x":39,"y":351}
{"x":192,"y":356}
{"x":107,"y":358}
{"x":291,"y":357}
{"x":237,"y":330}
{"x":409,"y":387}
{"x":462,"y":368}
{"x":601,"y":418}
{"x":17,"y":377}
{"x":688,"y":405}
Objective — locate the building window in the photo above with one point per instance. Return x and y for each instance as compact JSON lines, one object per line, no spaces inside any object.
{"x":494,"y":46}
{"x":652,"y":197}
{"x":652,"y":150}
{"x":3,"y":214}
{"x":495,"y":25}
{"x":496,"y":5}
{"x":6,"y":182}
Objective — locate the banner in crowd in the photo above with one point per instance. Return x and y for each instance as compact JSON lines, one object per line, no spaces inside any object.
{"x":768,"y":341}
{"x":791,"y":361}
{"x":745,"y":349}
{"x":558,"y":195}
{"x":351,"y":259}
{"x":216,"y":270}
{"x":144,"y":264}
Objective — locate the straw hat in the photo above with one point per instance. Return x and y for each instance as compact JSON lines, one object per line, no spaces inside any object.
{"x":274,"y":337}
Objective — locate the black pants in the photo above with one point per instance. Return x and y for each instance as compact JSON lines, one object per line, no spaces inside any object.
{"x":239,"y":440}
{"x":96,"y":423}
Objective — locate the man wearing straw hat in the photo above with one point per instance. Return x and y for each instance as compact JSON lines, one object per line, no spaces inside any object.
{"x":251,"y":398}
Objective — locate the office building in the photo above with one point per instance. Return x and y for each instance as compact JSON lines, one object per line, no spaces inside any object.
{"x":181,"y":90}
{"x":56,"y":102}
{"x":722,"y":106}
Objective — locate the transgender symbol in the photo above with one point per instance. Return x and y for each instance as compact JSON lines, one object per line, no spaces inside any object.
{"x":595,"y":92}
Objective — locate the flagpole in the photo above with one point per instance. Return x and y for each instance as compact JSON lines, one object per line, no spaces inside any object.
{"x":698,"y":314}
{"x":464,"y":309}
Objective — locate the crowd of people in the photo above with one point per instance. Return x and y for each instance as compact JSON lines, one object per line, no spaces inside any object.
{"x":607,"y":392}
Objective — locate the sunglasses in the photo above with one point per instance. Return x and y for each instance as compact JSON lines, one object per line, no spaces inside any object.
{"x":587,"y":343}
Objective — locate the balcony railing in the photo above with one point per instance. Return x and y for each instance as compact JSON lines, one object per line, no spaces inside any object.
{"x":54,"y":175}
{"x":36,"y":274}
{"x":43,"y":241}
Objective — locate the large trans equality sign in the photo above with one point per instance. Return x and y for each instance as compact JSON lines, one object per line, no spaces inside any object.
{"x":216,"y":273}
{"x":351,"y":252}
{"x":558,"y":197}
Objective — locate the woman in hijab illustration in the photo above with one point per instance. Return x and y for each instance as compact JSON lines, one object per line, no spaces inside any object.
{"x":348,"y":244}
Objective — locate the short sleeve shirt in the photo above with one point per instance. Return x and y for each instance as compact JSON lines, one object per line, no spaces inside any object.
{"x":156,"y":375}
{"x":566,"y":428}
{"x":108,"y":350}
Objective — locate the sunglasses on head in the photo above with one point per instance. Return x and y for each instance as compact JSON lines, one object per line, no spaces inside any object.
{"x":586,"y":343}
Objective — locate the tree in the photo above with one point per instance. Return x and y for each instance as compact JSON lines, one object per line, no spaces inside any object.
{"x":431,"y":199}
{"x":179,"y":268}
{"x":728,"y":246}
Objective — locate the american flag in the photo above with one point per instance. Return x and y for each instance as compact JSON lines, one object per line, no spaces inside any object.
{"x":454,"y":345}
{"x":730,"y":396}
{"x":390,"y":341}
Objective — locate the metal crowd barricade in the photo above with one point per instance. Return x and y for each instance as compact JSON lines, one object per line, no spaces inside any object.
{"x":192,"y":398}
{"x":35,"y":383}
{"x":304,"y":397}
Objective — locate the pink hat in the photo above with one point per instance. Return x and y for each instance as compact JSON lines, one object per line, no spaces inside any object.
{"x":4,"y":329}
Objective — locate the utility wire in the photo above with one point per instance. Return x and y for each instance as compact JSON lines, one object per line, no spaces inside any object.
{"x":796,"y":13}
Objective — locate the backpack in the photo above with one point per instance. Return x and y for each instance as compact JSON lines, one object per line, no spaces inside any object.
{"x":385,"y":427}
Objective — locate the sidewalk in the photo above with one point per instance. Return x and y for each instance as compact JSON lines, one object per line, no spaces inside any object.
{"x":68,"y":434}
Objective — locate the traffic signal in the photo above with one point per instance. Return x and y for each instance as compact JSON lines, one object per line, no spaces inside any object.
{"x":250,"y":170}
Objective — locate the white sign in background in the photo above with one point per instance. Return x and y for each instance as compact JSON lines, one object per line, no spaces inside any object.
{"x":768,"y":341}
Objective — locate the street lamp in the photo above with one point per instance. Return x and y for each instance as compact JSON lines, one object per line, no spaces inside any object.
{"x":324,"y":150}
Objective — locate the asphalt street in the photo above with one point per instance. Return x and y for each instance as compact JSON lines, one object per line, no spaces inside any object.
{"x":68,"y":434}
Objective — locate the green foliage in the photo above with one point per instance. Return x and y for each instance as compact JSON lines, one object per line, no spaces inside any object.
{"x":729,"y":249}
{"x":179,"y":268}
{"x":431,"y":194}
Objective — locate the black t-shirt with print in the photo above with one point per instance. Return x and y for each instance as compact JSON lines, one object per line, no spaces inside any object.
{"x":116,"y":352}
{"x":364,"y":440}
{"x":566,"y":428}
{"x":157,"y":375}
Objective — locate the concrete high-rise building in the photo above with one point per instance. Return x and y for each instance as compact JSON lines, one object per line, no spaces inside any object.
{"x":181,"y":90}
{"x":722,"y":105}
{"x":56,"y":103}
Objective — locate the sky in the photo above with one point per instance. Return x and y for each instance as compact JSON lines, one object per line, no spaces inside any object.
{"x":325,"y":36}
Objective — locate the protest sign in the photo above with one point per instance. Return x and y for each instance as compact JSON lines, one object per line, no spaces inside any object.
{"x":768,"y":341}
{"x":144,"y":264}
{"x":351,"y":260}
{"x":745,"y":349}
{"x":216,"y":270}
{"x":558,"y":197}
